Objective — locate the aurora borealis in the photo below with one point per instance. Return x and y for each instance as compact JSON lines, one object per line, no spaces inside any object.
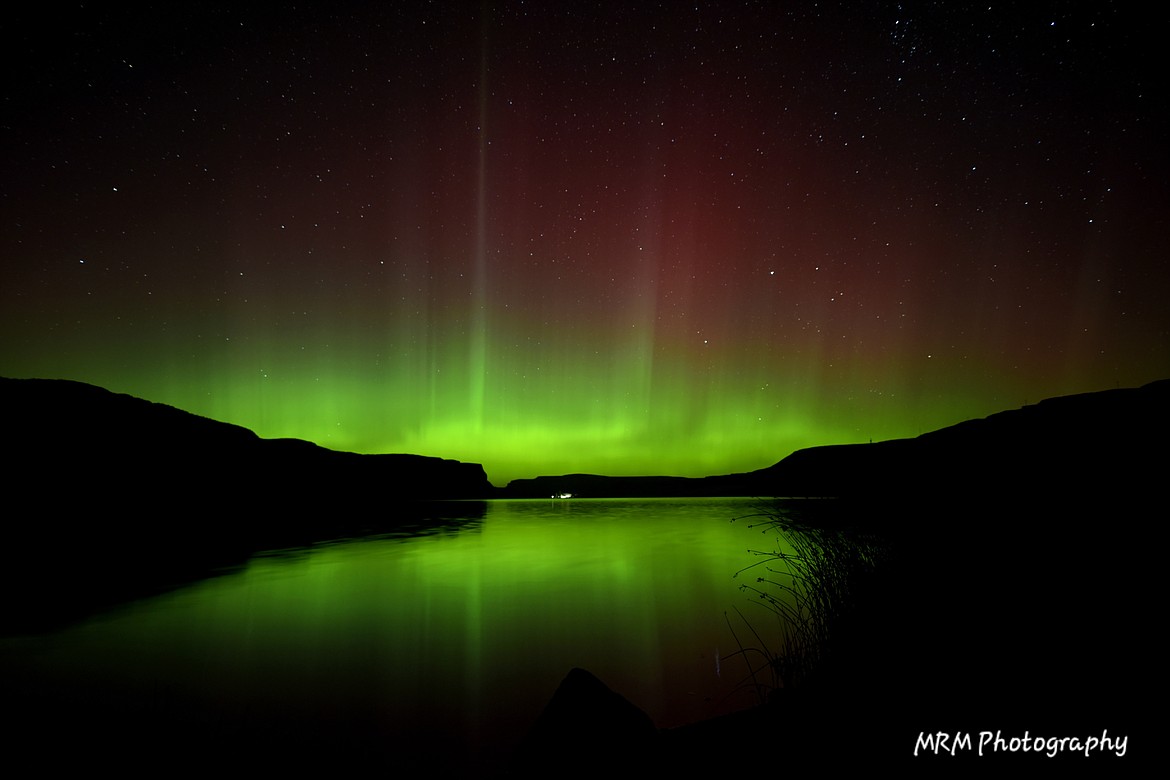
{"x":677,"y":238}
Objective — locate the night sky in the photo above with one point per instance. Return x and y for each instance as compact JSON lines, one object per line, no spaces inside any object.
{"x":627,"y":238}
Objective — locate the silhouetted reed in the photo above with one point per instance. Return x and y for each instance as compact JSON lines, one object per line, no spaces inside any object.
{"x":809,"y":582}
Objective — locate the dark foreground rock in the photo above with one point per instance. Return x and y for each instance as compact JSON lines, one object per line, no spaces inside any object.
{"x":586,"y":729}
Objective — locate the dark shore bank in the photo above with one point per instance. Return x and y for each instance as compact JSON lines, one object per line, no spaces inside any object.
{"x":1016,"y":636}
{"x":157,"y":497}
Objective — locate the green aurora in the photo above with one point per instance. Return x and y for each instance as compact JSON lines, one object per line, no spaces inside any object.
{"x":687,"y":248}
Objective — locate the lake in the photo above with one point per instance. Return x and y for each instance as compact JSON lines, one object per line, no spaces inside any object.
{"x":442,"y":646}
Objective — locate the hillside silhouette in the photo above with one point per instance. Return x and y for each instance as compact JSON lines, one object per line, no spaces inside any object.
{"x":109,"y":497}
{"x":1107,"y":443}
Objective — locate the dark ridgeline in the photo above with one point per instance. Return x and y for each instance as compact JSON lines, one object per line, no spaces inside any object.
{"x":1106,"y":444}
{"x":136,"y":454}
{"x":598,"y":486}
{"x":82,"y":447}
{"x":108,"y":496}
{"x":1109,"y":444}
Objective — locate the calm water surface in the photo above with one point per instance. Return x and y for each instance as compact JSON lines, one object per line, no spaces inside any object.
{"x":448,"y":643}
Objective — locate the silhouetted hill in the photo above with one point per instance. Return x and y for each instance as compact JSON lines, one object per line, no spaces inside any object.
{"x":1106,"y":443}
{"x":136,"y":453}
{"x":598,"y":486}
{"x":1110,"y":443}
{"x":108,"y":496}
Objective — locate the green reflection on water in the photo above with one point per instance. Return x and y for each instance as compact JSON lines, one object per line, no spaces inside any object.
{"x":461,"y":633}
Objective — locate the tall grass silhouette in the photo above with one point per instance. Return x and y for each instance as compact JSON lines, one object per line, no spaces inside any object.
{"x":809,"y":583}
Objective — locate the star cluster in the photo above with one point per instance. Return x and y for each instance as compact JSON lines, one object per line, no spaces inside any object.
{"x":673,"y":238}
